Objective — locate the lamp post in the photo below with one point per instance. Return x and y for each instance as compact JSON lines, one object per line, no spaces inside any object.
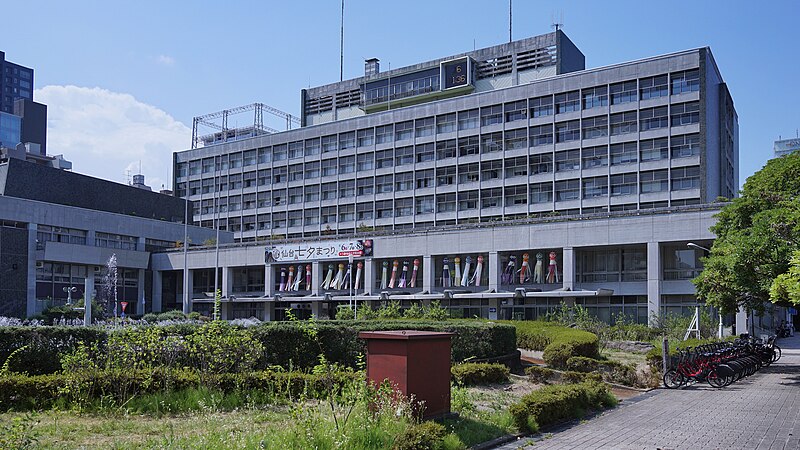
{"x":694,"y":246}
{"x":69,"y":290}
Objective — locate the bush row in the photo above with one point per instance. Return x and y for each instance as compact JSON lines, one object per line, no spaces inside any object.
{"x":471,"y":374}
{"x":545,"y":375}
{"x":557,"y":403}
{"x":23,"y":392}
{"x":557,"y":342}
{"x":285,"y":344}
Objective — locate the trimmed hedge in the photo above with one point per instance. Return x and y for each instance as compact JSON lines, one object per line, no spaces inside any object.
{"x":544,"y":375}
{"x":558,"y":343}
{"x":285,"y":344}
{"x":471,"y":374}
{"x":557,"y":403}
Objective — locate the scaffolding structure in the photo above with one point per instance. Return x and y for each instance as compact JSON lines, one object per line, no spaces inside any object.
{"x":218,"y":121}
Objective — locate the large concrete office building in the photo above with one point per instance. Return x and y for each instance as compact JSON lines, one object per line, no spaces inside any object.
{"x":16,"y":82}
{"x":563,"y":183}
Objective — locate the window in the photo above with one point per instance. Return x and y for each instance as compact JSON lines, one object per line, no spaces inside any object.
{"x":491,"y":115}
{"x":623,"y":184}
{"x":468,"y":120}
{"x":194,"y":167}
{"x":235,"y":181}
{"x":491,"y":170}
{"x":541,"y":163}
{"x":541,"y":192}
{"x":365,"y":161}
{"x":347,"y":189}
{"x":181,"y":169}
{"x":384,"y":209}
{"x":595,"y":187}
{"x":107,"y":240}
{"x":295,"y":172}
{"x":446,"y":149}
{"x":328,"y":167}
{"x":568,"y":102}
{"x":264,"y":177}
{"x":312,"y":193}
{"x":516,"y":139}
{"x":383,"y":134}
{"x":46,"y":233}
{"x":424,"y":179}
{"x":425,"y":152}
{"x":467,"y":200}
{"x":404,"y":207}
{"x":567,"y":190}
{"x":311,"y":217}
{"x":364,"y":211}
{"x":328,"y":191}
{"x":446,"y":123}
{"x":516,"y":167}
{"x":542,"y":106}
{"x":595,"y":97}
{"x":681,"y":263}
{"x":568,"y":160}
{"x":384,"y":184}
{"x":264,"y":199}
{"x":595,"y":127}
{"x":384,"y":158}
{"x":347,"y":164}
{"x":249,"y":200}
{"x":279,"y":152}
{"x":624,"y":153}
{"x":328,"y":214}
{"x":468,"y":146}
{"x":365,"y":138}
{"x":468,"y":173}
{"x":445,"y":202}
{"x":249,"y":179}
{"x":312,"y":147}
{"x":541,"y":135}
{"x":623,"y":123}
{"x":492,"y":142}
{"x":653,"y":118}
{"x":295,"y":218}
{"x":653,"y":149}
{"x":295,"y":151}
{"x":653,"y":181}
{"x":568,"y":131}
{"x":208,"y":186}
{"x":365,"y":186}
{"x":685,"y":178}
{"x":685,"y":114}
{"x":516,"y":195}
{"x":347,"y":140}
{"x":612,"y":265}
{"x":688,"y":81}
{"x":424,"y":205}
{"x":347,"y":213}
{"x":492,"y":198}
{"x":404,"y":181}
{"x":594,"y":157}
{"x":516,"y":110}
{"x":624,"y":92}
{"x":279,"y":197}
{"x":404,"y":155}
{"x":264,"y":221}
{"x":423,"y":127}
{"x":653,"y":87}
{"x":279,"y":220}
{"x":208,"y":165}
{"x":445,"y":176}
{"x":404,"y":130}
{"x":312,"y":170}
{"x":685,"y":146}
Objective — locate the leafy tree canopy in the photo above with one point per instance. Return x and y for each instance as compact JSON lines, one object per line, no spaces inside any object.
{"x":757,"y":236}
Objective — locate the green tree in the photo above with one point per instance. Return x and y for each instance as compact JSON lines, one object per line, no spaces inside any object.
{"x":757,"y":234}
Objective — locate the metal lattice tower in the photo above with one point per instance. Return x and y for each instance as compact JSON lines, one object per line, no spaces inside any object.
{"x":218,"y":121}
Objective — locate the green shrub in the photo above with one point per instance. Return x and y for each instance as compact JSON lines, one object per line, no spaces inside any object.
{"x":344,"y":312}
{"x":540,"y":374}
{"x":389,"y":310}
{"x":470,"y":374}
{"x":172,"y":315}
{"x":424,"y":436}
{"x":582,"y":364}
{"x":415,"y":311}
{"x":435,"y":311}
{"x":579,"y":377}
{"x":558,"y":343}
{"x":557,"y":403}
{"x":44,"y":345}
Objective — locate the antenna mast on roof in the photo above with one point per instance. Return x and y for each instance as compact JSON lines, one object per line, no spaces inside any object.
{"x":509,"y":21}
{"x":558,"y":20}
{"x":341,"y":47}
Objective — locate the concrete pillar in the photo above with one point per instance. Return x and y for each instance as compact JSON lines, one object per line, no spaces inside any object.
{"x":493,"y":304}
{"x":568,"y":268}
{"x":428,"y":272}
{"x":158,"y":280}
{"x":88,"y":295}
{"x":316,"y":308}
{"x":269,"y":311}
{"x":494,"y":271}
{"x":653,"y":281}
{"x":140,"y":243}
{"x":138,"y":308}
{"x":316,"y":277}
{"x":369,"y":276}
{"x":227,"y":282}
{"x":30,"y":302}
{"x":741,"y":322}
{"x":190,"y":290}
{"x":269,"y":281}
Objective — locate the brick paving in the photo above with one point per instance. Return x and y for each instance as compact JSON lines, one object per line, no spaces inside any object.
{"x":759,"y":412}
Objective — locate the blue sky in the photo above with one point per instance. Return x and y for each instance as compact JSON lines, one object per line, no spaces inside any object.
{"x":139,"y":71}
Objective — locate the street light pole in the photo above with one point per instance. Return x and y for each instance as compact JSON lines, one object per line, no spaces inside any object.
{"x":694,"y":246}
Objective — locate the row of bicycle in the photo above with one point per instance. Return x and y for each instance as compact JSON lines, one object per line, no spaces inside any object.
{"x":721,"y":364}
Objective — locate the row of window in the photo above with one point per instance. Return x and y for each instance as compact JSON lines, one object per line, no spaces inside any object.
{"x":47,"y":233}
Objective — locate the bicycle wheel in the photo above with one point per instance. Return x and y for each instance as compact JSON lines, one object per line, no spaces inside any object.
{"x":714,"y":380}
{"x":776,"y":355}
{"x":673,"y":379}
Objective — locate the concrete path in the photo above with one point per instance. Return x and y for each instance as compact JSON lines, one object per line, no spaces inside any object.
{"x":760,"y":412}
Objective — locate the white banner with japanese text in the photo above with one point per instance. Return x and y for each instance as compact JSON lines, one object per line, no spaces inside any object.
{"x":322,"y":250}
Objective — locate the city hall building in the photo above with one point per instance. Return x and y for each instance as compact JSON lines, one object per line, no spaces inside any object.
{"x":499,"y":182}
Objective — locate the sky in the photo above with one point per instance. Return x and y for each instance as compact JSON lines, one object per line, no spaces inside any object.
{"x":123,"y":80}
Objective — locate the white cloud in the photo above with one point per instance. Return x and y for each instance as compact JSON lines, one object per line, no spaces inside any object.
{"x":165,"y":60}
{"x":105,"y":133}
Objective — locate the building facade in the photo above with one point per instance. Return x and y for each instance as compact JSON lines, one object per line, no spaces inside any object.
{"x":783,"y":147}
{"x":16,"y":82}
{"x":483,"y":140}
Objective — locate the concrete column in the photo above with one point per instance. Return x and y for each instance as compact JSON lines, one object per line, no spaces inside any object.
{"x":269,"y":311}
{"x":269,"y":281}
{"x":30,"y":302}
{"x":190,"y":284}
{"x":653,"y":281}
{"x":158,"y":280}
{"x":316,"y":277}
{"x":227,"y":282}
{"x":494,"y":271}
{"x":428,"y":272}
{"x":741,"y":322}
{"x":316,"y":308}
{"x":140,"y":243}
{"x":369,"y":276}
{"x":568,"y":268}
{"x":493,"y":303}
{"x":88,"y":295}
{"x":90,"y":237}
{"x":138,"y":308}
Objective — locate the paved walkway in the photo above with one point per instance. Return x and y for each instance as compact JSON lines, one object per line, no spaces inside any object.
{"x":760,"y":412}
